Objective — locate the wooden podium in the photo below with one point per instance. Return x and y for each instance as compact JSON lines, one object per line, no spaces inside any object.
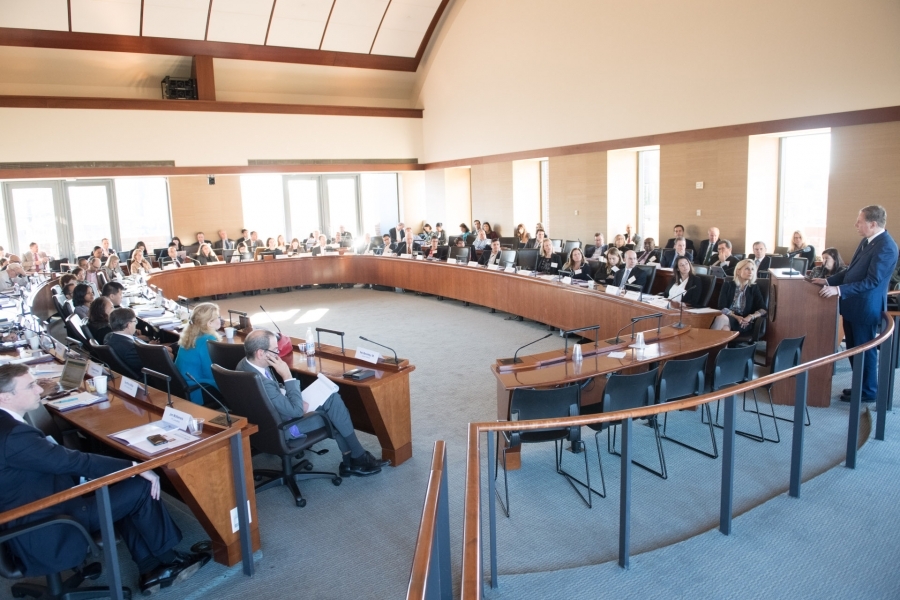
{"x":796,"y":309}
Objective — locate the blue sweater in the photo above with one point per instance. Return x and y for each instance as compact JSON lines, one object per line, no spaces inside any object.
{"x":196,"y":361}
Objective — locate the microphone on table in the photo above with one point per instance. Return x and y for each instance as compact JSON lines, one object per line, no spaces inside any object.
{"x":387,"y":360}
{"x":515,"y":359}
{"x":635,"y":320}
{"x":636,"y":288}
{"x":211,"y":395}
{"x":680,"y":324}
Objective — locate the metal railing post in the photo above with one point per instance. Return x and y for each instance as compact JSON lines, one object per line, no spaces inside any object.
{"x":110,"y":554}
{"x":625,"y":496}
{"x":243,"y":506}
{"x":799,"y":429}
{"x":728,"y":435}
{"x":492,"y":508}
{"x":859,"y":365}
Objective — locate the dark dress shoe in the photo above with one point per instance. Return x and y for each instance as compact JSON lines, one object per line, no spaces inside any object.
{"x":846,"y":392}
{"x":358,"y":470}
{"x":163,"y":576}
{"x":846,"y":398}
{"x":369,"y":460}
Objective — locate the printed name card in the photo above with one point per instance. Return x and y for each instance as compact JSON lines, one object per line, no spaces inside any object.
{"x":472,"y":263}
{"x":611,"y":289}
{"x":493,"y":267}
{"x":177,"y":418}
{"x":406,"y":256}
{"x":420,"y":257}
{"x":129,"y":386}
{"x":567,"y":279}
{"x":633,"y":295}
{"x":94,"y":370}
{"x":509,"y":270}
{"x":368,"y":355}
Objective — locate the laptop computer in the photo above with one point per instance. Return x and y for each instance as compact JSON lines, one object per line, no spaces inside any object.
{"x":717,"y":272}
{"x":73,"y":372}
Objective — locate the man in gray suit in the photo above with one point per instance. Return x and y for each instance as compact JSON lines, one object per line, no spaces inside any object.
{"x":261,"y":348}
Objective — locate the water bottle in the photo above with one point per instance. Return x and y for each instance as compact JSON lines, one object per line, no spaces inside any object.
{"x":310,"y":343}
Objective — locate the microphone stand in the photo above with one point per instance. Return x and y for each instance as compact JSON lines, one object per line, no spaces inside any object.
{"x":394,"y":360}
{"x":219,"y":402}
{"x":158,"y":375}
{"x":515,"y":359}
{"x":680,"y":324}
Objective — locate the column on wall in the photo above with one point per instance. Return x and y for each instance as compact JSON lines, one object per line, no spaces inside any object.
{"x":199,"y":206}
{"x":578,"y":192}
{"x":492,"y":195}
{"x":621,"y":186}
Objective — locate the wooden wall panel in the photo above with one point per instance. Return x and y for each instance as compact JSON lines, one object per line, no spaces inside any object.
{"x":492,"y":196}
{"x":865,"y":169}
{"x":722,"y":167}
{"x":198,"y":206}
{"x":578,"y":183}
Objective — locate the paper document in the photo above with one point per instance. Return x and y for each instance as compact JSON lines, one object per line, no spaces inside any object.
{"x":137,"y":437}
{"x":702,"y":311}
{"x":616,"y":355}
{"x":318,"y":392}
{"x":151,"y":311}
{"x":76,"y":401}
{"x":51,"y":369}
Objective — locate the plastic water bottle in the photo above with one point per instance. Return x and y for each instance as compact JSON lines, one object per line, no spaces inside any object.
{"x":310,"y":343}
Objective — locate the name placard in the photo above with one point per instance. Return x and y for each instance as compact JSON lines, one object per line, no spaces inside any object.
{"x":493,"y":267}
{"x":129,"y":386}
{"x":509,"y":270}
{"x":368,"y":355}
{"x":176,"y":418}
{"x":472,"y":263}
{"x":94,"y":370}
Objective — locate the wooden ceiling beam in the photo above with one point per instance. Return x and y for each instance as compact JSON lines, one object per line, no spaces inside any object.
{"x":33,"y":38}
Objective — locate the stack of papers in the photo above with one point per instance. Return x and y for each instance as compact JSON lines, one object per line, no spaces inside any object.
{"x":50,"y":369}
{"x":137,"y":437}
{"x":163,"y":320}
{"x":150,"y":311}
{"x":318,"y":392}
{"x":76,"y":401}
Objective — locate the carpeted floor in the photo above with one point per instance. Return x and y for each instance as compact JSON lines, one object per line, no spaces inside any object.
{"x":357,"y":540}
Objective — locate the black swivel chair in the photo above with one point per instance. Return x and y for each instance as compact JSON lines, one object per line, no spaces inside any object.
{"x":709,"y":285}
{"x":682,"y":379}
{"x":527,"y":258}
{"x":651,"y":275}
{"x":625,"y":392}
{"x":244,"y":394}
{"x":63,"y":306}
{"x":56,"y":589}
{"x":112,"y":360}
{"x":787,"y":355}
{"x":507,"y":258}
{"x":509,"y":243}
{"x":460,"y":255}
{"x":224,"y":354}
{"x":75,"y":331}
{"x":157,"y":358}
{"x":531,"y":404}
{"x":735,"y":366}
{"x":569,"y":246}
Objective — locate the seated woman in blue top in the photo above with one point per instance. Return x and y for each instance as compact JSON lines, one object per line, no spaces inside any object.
{"x":193,"y":355}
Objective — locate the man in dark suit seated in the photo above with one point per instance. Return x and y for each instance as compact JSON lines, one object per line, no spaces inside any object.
{"x":725,"y":258}
{"x":33,"y":466}
{"x":678,"y":230}
{"x":123,"y":323}
{"x":597,"y":250}
{"x":407,"y":246}
{"x":195,"y":247}
{"x":171,"y":257}
{"x":707,"y":253}
{"x":759,"y":257}
{"x":862,"y":289}
{"x":629,"y":276}
{"x":667,"y":261}
{"x":650,"y":254}
{"x":223,"y":242}
{"x":491,"y":257}
{"x":261,"y":348}
{"x":387,"y":247}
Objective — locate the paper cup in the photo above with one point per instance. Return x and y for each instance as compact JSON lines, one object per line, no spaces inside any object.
{"x":35,"y":342}
{"x":100,"y":384}
{"x":229,"y":333}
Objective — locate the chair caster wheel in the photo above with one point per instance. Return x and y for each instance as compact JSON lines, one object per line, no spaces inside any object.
{"x":308,"y":466}
{"x":337,"y":481}
{"x":301,"y":502}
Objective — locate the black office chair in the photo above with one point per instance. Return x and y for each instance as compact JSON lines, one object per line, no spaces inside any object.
{"x":75,"y":331}
{"x":799,"y":264}
{"x":787,"y":355}
{"x":56,"y":589}
{"x":625,"y":392}
{"x":682,"y":379}
{"x":651,"y":275}
{"x":557,"y":245}
{"x":244,"y":394}
{"x":157,"y":358}
{"x":509,"y":243}
{"x":527,"y":258}
{"x":101,"y":279}
{"x":531,"y":404}
{"x":507,"y":258}
{"x":735,"y":366}
{"x":63,"y":305}
{"x":569,"y":245}
{"x":666,"y":256}
{"x":709,"y":285}
{"x":112,"y":360}
{"x":54,"y":427}
{"x":224,"y":354}
{"x":460,"y":255}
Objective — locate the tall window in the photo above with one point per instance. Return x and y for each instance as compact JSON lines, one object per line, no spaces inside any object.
{"x":380,"y":202}
{"x":142,"y":211}
{"x":803,"y":205}
{"x":89,"y":212}
{"x":343,"y":200}
{"x":303,"y":206}
{"x":262,"y":197}
{"x":34,"y":213}
{"x":648,"y":194}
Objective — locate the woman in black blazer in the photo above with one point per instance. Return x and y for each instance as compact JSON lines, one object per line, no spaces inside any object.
{"x":577,"y":266}
{"x":740,"y":301}
{"x":606,"y":274}
{"x":684,"y":280}
{"x":547,"y":262}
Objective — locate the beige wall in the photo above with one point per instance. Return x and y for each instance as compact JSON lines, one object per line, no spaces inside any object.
{"x":492,"y":196}
{"x":200,"y":139}
{"x":865,"y":169}
{"x":198,"y":206}
{"x":578,"y":184}
{"x":722,"y":167}
{"x":511,"y":76}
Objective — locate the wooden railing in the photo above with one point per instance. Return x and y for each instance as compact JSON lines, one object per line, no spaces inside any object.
{"x":100,"y":487}
{"x":472,"y":562}
{"x":430,"y":578}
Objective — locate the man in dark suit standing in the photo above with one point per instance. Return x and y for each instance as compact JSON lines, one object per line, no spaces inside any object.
{"x":398,"y":233}
{"x":33,"y":466}
{"x":629,"y":276}
{"x":707,"y":253}
{"x":261,"y":358}
{"x":862,"y":289}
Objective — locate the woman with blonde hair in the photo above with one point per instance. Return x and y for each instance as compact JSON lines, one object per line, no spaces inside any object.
{"x":138,"y":262}
{"x":740,"y":300}
{"x":800,"y":248}
{"x":193,"y":354}
{"x":547,"y":262}
{"x":112,"y":270}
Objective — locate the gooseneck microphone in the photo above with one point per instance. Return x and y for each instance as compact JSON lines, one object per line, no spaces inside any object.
{"x":387,"y":360}
{"x":211,"y":395}
{"x":635,"y":320}
{"x":515,"y":359}
{"x":680,"y":324}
